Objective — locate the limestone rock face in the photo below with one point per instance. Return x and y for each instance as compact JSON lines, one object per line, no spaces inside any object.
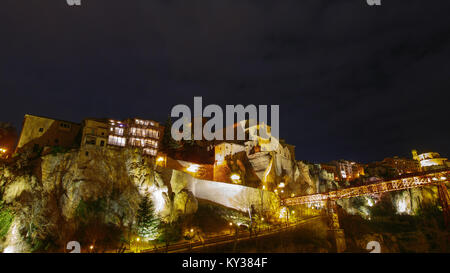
{"x":260,"y":162}
{"x":303,"y":178}
{"x":48,"y":193}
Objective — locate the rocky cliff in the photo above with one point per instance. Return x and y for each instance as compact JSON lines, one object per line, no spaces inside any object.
{"x":48,"y":195}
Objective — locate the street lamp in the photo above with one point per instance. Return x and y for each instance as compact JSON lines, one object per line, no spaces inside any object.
{"x":235,"y":178}
{"x":191,"y":237}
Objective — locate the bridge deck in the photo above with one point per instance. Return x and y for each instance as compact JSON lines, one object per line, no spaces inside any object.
{"x":385,"y":186}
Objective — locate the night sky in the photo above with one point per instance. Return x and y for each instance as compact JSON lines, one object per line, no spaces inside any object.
{"x":353,"y":81}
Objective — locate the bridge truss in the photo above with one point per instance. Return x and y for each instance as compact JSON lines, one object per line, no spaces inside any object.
{"x":435,"y":178}
{"x":438,"y":178}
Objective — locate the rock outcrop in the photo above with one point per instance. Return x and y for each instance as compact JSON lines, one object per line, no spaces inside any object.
{"x":45,"y":193}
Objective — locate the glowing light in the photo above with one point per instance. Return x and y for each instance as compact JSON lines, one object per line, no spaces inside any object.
{"x":160,"y":159}
{"x":231,"y":224}
{"x":292,"y":195}
{"x":262,"y":219}
{"x":435,"y":179}
{"x":281,"y":185}
{"x":370,"y":202}
{"x":192,"y":230}
{"x":293,"y":212}
{"x":193,"y":168}
{"x":276,"y":191}
{"x":157,"y":197}
{"x":138,"y":239}
{"x":282,"y":191}
{"x":267,"y":171}
{"x":14,"y":239}
{"x":235,"y":177}
{"x":91,"y":247}
{"x":443,"y":178}
{"x":401,"y":206}
{"x":264,"y":187}
{"x":2,"y":150}
{"x":283,"y":212}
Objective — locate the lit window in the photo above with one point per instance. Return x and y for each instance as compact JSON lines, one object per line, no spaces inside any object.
{"x":117,"y":141}
{"x":118,"y":131}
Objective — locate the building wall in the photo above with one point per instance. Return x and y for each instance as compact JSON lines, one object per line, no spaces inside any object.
{"x":233,"y":196}
{"x":402,"y":165}
{"x":430,"y":161}
{"x":142,"y":134}
{"x":225,"y":149}
{"x":348,"y":170}
{"x":38,"y":132}
{"x":94,"y":133}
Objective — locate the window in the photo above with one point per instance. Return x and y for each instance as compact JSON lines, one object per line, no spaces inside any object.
{"x":64,"y":125}
{"x":118,"y":131}
{"x":90,"y":140}
{"x":150,"y":151}
{"x":41,"y":130}
{"x":117,"y":141}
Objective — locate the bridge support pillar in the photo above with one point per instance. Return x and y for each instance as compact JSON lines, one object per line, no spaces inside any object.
{"x":444,"y":199}
{"x":335,"y":233}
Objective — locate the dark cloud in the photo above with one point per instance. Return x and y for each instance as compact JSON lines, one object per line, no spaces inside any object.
{"x":352,"y":81}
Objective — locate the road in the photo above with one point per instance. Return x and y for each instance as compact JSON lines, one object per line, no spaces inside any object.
{"x":225,"y":239}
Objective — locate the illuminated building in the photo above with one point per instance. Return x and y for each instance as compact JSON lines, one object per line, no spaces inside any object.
{"x":142,"y":134}
{"x":430,"y":161}
{"x":402,"y":165}
{"x":95,"y":132}
{"x":38,"y":132}
{"x":348,"y":170}
{"x":139,"y":133}
{"x":331,"y":170}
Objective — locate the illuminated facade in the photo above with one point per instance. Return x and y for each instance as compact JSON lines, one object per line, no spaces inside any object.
{"x":95,"y":132}
{"x":402,"y":165}
{"x":348,"y":170}
{"x":139,"y":133}
{"x":330,"y":169}
{"x":430,"y":161}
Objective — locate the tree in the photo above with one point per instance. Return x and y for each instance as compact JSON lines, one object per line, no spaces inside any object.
{"x":168,"y":143}
{"x":147,"y":223}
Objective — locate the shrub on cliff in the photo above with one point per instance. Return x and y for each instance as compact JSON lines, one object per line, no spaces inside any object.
{"x":6,"y":218}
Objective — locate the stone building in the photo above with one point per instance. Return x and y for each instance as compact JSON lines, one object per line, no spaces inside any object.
{"x":95,"y":132}
{"x":143,"y":134}
{"x":348,"y":170}
{"x":402,"y":165}
{"x":38,"y":132}
{"x":430,"y":161}
{"x":331,"y":169}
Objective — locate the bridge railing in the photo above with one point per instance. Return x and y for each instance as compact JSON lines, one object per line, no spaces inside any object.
{"x":385,"y":186}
